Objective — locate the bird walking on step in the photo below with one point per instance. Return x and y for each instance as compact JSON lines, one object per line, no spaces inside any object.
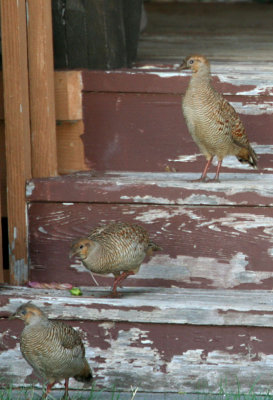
{"x":213,"y":123}
{"x":53,"y":349}
{"x":118,"y":248}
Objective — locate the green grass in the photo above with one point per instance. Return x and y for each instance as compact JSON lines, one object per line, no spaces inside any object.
{"x":10,"y":393}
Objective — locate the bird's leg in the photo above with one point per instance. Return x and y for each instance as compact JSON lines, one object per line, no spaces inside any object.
{"x":216,"y":178}
{"x":118,"y":280}
{"x":66,"y":396}
{"x":48,"y":389}
{"x":203,"y":177}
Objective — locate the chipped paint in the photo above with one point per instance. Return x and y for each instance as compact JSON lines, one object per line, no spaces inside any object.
{"x":192,"y":270}
{"x":266,"y":107}
{"x":150,"y":216}
{"x":30,"y":186}
{"x":42,"y":230}
{"x":17,"y":370}
{"x":243,"y":222}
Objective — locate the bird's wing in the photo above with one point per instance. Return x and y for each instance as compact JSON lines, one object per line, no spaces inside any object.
{"x":69,"y":337}
{"x":99,"y":230}
{"x":231,"y":122}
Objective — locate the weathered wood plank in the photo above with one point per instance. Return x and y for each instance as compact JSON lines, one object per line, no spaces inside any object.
{"x":153,"y":188}
{"x":229,"y":78}
{"x":203,"y":247}
{"x":17,"y":130}
{"x":207,"y":355}
{"x":152,"y":125}
{"x":149,"y":305}
{"x":41,"y":89}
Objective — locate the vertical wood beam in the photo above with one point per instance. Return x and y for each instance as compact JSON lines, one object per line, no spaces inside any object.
{"x":1,"y":250}
{"x":17,"y":130}
{"x":42,"y":96}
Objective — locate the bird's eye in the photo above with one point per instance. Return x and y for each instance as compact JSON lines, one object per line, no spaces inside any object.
{"x":23,"y":312}
{"x":191,"y":61}
{"x":81,"y":246}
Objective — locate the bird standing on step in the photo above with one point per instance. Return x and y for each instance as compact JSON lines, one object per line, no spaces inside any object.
{"x":118,"y":248}
{"x":53,"y":349}
{"x":213,"y":123}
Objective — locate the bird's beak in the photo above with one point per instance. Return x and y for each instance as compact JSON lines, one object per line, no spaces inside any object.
{"x":72,"y":254}
{"x":183,"y":66}
{"x":13,"y":316}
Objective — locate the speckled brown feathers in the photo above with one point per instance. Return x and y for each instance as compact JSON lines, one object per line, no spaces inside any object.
{"x":53,"y":349}
{"x":118,"y":248}
{"x":212,"y":121}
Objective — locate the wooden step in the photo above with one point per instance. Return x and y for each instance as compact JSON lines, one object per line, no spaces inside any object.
{"x":213,"y":235}
{"x":157,"y":340}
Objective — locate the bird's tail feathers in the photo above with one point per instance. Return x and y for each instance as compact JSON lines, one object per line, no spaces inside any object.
{"x":248,"y":156}
{"x":85,"y":375}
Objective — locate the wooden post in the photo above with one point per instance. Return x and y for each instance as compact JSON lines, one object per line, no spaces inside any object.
{"x":1,"y":251}
{"x":41,"y":81}
{"x":17,"y":131}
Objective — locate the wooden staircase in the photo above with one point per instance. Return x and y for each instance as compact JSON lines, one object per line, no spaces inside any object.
{"x":199,"y":312}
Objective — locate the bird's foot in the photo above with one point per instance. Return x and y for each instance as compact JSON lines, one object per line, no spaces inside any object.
{"x":201,"y":179}
{"x":115,"y":295}
{"x":215,"y":180}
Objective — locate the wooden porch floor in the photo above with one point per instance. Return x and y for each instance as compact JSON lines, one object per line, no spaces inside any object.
{"x":236,"y":32}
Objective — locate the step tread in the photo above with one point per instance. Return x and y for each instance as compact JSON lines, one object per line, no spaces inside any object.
{"x":150,"y":305}
{"x":153,"y":188}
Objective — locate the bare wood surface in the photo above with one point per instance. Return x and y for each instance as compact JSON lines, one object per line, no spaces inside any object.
{"x":70,"y":148}
{"x":3,"y":171}
{"x":17,"y":130}
{"x":1,"y":251}
{"x":41,"y":82}
{"x":68,"y":95}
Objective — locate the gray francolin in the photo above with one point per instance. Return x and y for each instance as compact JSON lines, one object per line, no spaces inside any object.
{"x":212,"y":121}
{"x":118,"y":248}
{"x":53,"y":349}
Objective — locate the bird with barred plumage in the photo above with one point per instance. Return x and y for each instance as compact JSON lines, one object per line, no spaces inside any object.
{"x":212,"y":122}
{"x":54,"y":350}
{"x":117,"y":248}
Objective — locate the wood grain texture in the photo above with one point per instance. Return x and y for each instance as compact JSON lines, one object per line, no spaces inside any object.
{"x":167,"y":188}
{"x":41,"y":83}
{"x":3,"y":171}
{"x":204,"y":307}
{"x":203,"y":247}
{"x":1,"y":250}
{"x":151,"y":355}
{"x":70,"y":149}
{"x":17,"y":130}
{"x":68,"y":95}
